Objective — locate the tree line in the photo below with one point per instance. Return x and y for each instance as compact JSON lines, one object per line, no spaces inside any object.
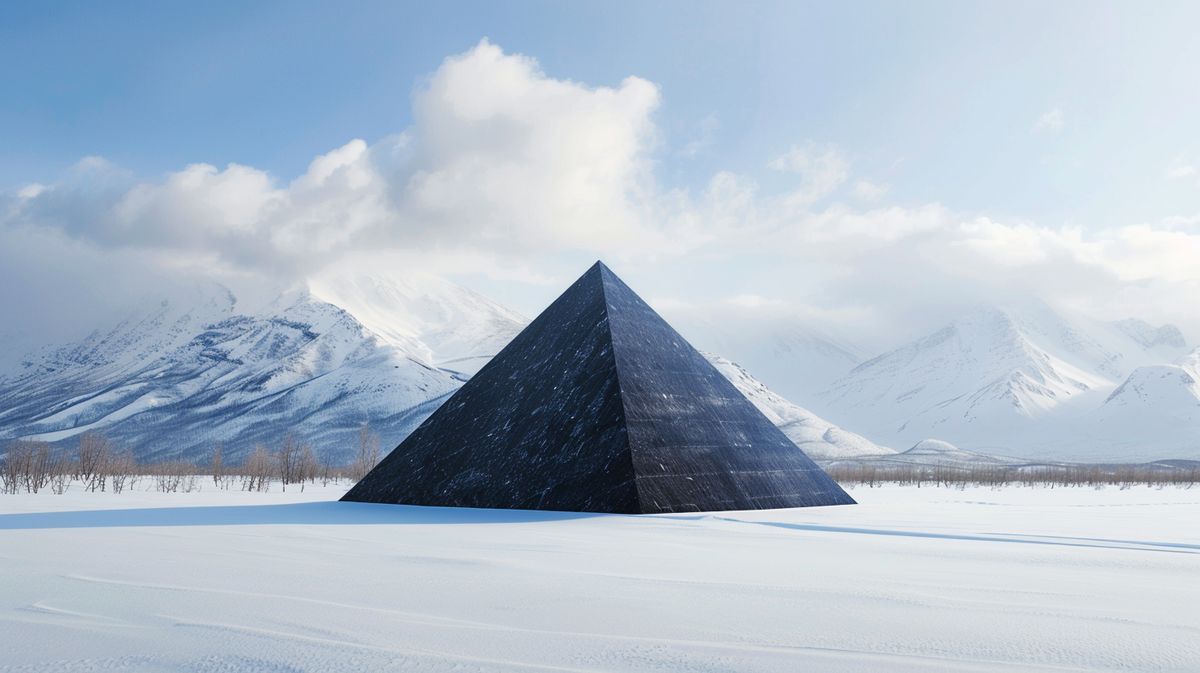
{"x":960,"y":476}
{"x":98,"y":464}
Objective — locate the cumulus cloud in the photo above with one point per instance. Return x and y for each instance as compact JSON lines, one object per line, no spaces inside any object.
{"x":239,"y":216}
{"x":822,"y":169}
{"x":500,"y":157}
{"x":506,"y":167}
{"x":922,"y":265}
{"x":55,"y":287}
{"x":865,"y":190}
{"x":509,"y":157}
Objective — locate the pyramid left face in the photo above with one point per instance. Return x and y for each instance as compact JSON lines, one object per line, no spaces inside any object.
{"x":539,"y":427}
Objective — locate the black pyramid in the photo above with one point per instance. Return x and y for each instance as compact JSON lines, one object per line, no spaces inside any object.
{"x":599,"y":406}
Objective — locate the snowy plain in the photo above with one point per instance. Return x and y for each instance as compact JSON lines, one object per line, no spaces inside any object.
{"x":911,"y":579}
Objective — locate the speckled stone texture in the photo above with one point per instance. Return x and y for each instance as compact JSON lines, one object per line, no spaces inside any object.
{"x":599,"y":406}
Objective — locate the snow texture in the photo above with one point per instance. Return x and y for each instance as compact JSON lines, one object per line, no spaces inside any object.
{"x":796,"y":357}
{"x":1024,"y":381}
{"x":910,"y":580}
{"x":174,"y":379}
{"x":177,"y":377}
{"x":819,"y":438}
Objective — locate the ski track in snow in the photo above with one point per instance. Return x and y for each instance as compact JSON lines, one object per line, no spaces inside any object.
{"x":910,"y":580}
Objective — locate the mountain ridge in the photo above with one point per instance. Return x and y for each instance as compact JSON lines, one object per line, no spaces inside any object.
{"x":207,"y":370}
{"x":340,"y":350}
{"x":998,"y":379}
{"x":206,"y":376}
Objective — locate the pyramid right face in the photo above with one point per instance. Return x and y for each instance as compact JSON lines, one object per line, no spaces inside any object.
{"x":599,"y":406}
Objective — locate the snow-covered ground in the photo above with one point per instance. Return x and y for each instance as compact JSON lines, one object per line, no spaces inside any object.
{"x":909,"y":580}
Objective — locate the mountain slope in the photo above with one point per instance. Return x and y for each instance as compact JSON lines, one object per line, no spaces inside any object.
{"x":178,"y":377}
{"x":173,"y":381}
{"x":929,"y":453}
{"x":796,"y":358}
{"x":817,"y":437}
{"x":1153,"y":414}
{"x":1164,"y":340}
{"x":990,"y":379}
{"x":442,"y":323}
{"x":1191,"y":362}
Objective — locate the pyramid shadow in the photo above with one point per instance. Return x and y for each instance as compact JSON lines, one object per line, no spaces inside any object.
{"x":307,"y":513}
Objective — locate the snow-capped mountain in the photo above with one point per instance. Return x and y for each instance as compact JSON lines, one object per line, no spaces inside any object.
{"x":929,"y":453}
{"x":938,"y":452}
{"x":797,"y":358}
{"x":1191,"y":361}
{"x":1165,"y":339}
{"x":1167,"y":388}
{"x":817,"y":437}
{"x":179,"y":376}
{"x":445,"y":324}
{"x":1154,"y":413}
{"x":1000,"y":379}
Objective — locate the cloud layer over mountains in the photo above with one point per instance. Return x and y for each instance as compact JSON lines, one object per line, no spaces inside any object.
{"x":517,"y":174}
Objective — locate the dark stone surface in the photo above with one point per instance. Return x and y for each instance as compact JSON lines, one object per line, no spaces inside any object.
{"x":697,"y":442}
{"x":599,"y":406}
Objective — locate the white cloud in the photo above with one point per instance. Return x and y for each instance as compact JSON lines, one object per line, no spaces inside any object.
{"x":865,"y":190}
{"x":501,"y":158}
{"x":514,"y":159}
{"x":200,"y":202}
{"x":822,"y":169}
{"x":506,"y":169}
{"x":1182,"y":221}
{"x":55,"y":287}
{"x":1051,"y":121}
{"x":30,"y":191}
{"x":1180,"y":169}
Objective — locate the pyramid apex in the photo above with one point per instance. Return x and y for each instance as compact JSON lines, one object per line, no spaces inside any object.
{"x":599,"y":271}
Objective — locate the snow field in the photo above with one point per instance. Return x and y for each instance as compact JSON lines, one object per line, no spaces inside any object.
{"x":1021,"y":579}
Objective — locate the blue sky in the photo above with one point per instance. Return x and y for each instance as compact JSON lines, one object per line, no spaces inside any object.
{"x":938,"y":100}
{"x":1041,"y":132}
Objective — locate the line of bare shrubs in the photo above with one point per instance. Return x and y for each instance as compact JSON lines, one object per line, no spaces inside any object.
{"x":1064,"y":475}
{"x":32,"y":467}
{"x":98,"y":465}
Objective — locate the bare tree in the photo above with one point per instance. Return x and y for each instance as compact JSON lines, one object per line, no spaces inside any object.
{"x":175,"y":477}
{"x":288,"y":460}
{"x":42,"y":467}
{"x":95,"y":453}
{"x":306,"y":466}
{"x":326,"y":471}
{"x":60,"y":476}
{"x":218,"y":469}
{"x":368,"y":453}
{"x":10,"y":471}
{"x":256,"y":472}
{"x":121,"y":468}
{"x":29,"y":465}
